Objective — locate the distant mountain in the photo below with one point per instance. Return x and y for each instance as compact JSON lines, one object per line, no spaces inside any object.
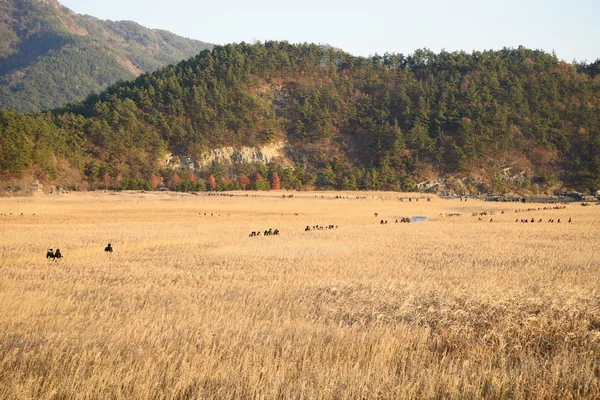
{"x":509,"y":120}
{"x":50,"y":56}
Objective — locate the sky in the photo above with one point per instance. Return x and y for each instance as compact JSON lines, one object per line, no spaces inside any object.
{"x":569,"y":28}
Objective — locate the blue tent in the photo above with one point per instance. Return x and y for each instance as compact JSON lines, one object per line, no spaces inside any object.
{"x":418,"y":219}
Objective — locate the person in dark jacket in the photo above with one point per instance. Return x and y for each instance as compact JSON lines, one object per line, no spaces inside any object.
{"x":57,"y":255}
{"x":108,"y":248}
{"x":50,"y":254}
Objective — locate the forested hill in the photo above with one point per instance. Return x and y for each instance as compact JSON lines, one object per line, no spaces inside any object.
{"x":513,"y":120}
{"x":50,"y":56}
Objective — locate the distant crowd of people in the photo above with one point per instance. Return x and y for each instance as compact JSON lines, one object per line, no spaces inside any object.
{"x":11,"y":214}
{"x":416,"y":199}
{"x":269,"y":232}
{"x":213,"y":214}
{"x":221,"y":194}
{"x":532,"y":220}
{"x":483,"y":213}
{"x":540,"y":209}
{"x":320,"y":227}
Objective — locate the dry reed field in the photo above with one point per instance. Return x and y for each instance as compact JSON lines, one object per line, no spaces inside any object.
{"x":190,"y":307}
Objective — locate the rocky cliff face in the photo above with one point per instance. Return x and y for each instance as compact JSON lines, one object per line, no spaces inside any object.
{"x":229,"y":155}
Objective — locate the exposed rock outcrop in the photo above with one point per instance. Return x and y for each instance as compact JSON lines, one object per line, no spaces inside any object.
{"x":229,"y":155}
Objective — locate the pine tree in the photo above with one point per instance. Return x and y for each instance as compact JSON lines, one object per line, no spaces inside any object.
{"x":328,"y":179}
{"x":259,"y":183}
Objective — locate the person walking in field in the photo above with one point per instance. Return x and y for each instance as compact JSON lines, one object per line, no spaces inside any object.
{"x":50,"y":254}
{"x":108,"y":248}
{"x":57,"y":255}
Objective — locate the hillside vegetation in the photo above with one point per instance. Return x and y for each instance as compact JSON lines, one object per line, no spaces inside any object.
{"x":348,"y":122}
{"x":50,"y":56}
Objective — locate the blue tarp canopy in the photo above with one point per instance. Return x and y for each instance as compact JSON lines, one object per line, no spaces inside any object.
{"x":418,"y":219}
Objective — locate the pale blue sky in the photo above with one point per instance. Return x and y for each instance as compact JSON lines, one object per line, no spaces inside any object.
{"x":570,"y":28}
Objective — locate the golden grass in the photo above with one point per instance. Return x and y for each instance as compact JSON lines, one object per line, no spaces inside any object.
{"x":188,"y":306}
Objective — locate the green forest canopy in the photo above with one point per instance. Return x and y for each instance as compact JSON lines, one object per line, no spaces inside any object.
{"x":350,"y":122}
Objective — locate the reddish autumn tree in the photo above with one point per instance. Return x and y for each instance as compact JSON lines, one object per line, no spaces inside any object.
{"x":175,"y":180}
{"x":193,"y":178}
{"x":244,"y":182}
{"x":275,"y":182}
{"x":153,"y":181}
{"x":212,"y":183}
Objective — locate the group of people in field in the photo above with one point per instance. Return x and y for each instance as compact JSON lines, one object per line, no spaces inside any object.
{"x":57,"y":255}
{"x":269,"y":232}
{"x":320,"y":227}
{"x":403,"y":220}
{"x":559,"y":207}
{"x":416,"y":199}
{"x":53,"y":255}
{"x":483,"y":213}
{"x":532,"y":220}
{"x":525,"y":220}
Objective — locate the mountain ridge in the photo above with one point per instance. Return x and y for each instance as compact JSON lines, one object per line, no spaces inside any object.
{"x":50,"y":56}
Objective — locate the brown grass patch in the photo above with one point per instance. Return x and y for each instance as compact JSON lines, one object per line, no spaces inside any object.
{"x":189,"y":306}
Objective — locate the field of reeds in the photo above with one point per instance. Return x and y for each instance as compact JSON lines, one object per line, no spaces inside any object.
{"x":189,"y":306}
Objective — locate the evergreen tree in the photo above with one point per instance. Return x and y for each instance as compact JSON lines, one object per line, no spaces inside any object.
{"x":327,"y":177}
{"x":260,"y":183}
